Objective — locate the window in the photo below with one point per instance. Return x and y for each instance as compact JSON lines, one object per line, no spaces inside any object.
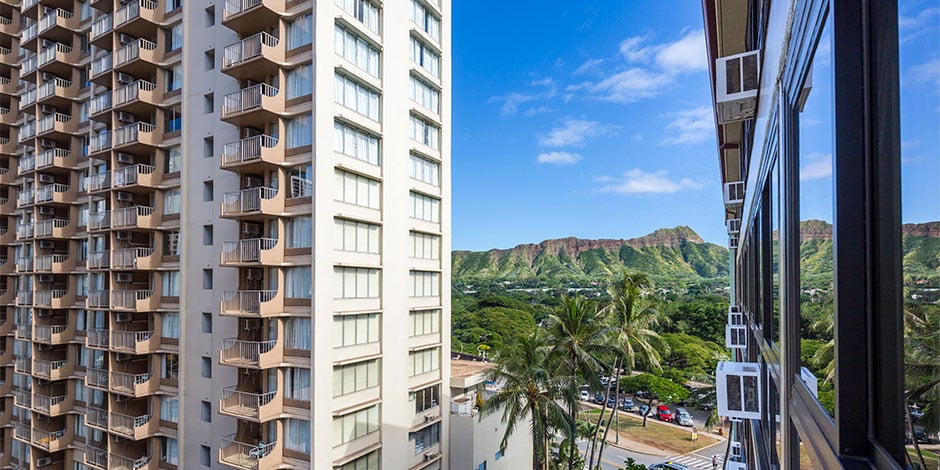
{"x":355,"y":425}
{"x":208,"y":102}
{"x":423,"y":361}
{"x":297,"y":435}
{"x":299,"y":131}
{"x":207,"y":235}
{"x":299,"y":31}
{"x":355,"y":189}
{"x":425,"y":20}
{"x":355,"y":377}
{"x":169,"y":452}
{"x":355,"y":143}
{"x":356,"y":97}
{"x":425,"y":246}
{"x":171,"y":284}
{"x":170,"y":324}
{"x":425,"y":207}
{"x":171,"y":243}
{"x":425,"y":170}
{"x":425,"y":438}
{"x":206,"y":411}
{"x":369,"y":461}
{"x":301,"y":181}
{"x":174,"y":160}
{"x":356,"y":283}
{"x":171,"y":201}
{"x":169,"y":366}
{"x":425,"y":95}
{"x":174,"y":37}
{"x":207,"y":367}
{"x":174,"y":78}
{"x":356,"y":236}
{"x":169,"y":409}
{"x":425,"y":284}
{"x":351,"y":330}
{"x":205,"y":456}
{"x":424,"y":322}
{"x":207,"y":278}
{"x":209,"y":59}
{"x":297,"y":282}
{"x":208,"y":191}
{"x":210,"y":16}
{"x":356,"y":50}
{"x":173,"y":5}
{"x":297,"y":383}
{"x":299,"y":81}
{"x":499,"y":454}
{"x":297,"y":333}
{"x":425,"y":133}
{"x":173,"y":119}
{"x":207,"y":322}
{"x":299,"y":232}
{"x":427,"y":58}
{"x":427,"y":398}
{"x":364,"y":11}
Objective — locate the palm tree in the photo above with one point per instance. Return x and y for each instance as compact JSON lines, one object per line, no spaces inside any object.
{"x":579,"y":335}
{"x":529,"y":391}
{"x":632,"y":313}
{"x":922,"y":366}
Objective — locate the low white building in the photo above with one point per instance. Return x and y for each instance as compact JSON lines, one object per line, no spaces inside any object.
{"x":475,"y":443}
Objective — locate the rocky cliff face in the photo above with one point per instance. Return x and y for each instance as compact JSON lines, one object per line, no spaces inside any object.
{"x":820,"y":230}
{"x":928,"y":229}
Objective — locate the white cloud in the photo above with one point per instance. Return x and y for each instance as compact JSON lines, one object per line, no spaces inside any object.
{"x":632,"y":50}
{"x":637,"y":181}
{"x":927,"y":73}
{"x":574,"y":132}
{"x":685,"y":55}
{"x":511,"y":102}
{"x":628,"y":86}
{"x":816,"y":166}
{"x":691,"y":126}
{"x":546,"y":82}
{"x":538,"y":110}
{"x":907,"y":23}
{"x":587,"y":66}
{"x":559,"y":158}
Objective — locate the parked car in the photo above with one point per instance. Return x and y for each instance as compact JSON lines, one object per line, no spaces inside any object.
{"x":668,"y":466}
{"x":916,"y":413}
{"x":707,"y":405}
{"x":585,"y":396}
{"x":599,"y":398}
{"x":626,"y":404}
{"x":921,"y":436}
{"x":664,"y":413}
{"x":642,"y":394}
{"x":683,"y":418}
{"x":642,"y":410}
{"x":612,"y":402}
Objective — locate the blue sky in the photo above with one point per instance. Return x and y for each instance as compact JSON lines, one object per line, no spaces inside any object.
{"x":593,"y":119}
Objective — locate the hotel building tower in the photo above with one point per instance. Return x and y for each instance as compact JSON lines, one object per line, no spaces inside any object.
{"x":224,"y":234}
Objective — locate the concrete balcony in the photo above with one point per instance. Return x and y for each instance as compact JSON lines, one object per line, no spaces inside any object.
{"x":99,"y":105}
{"x":258,"y":407}
{"x":8,"y":117}
{"x":60,"y":298}
{"x":58,"y":92}
{"x":138,"y":57}
{"x":135,"y":300}
{"x":96,"y":378}
{"x":249,"y":456}
{"x":6,"y":357}
{"x":8,"y":145}
{"x":59,"y":58}
{"x":55,"y":228}
{"x":96,"y":418}
{"x":22,"y":432}
{"x":23,"y":199}
{"x":98,"y":339}
{"x":100,"y":69}
{"x":28,"y":99}
{"x":6,"y":266}
{"x":135,"y":385}
{"x":23,"y":331}
{"x":53,"y":334}
{"x":7,"y":86}
{"x":56,"y":193}
{"x":251,"y":354}
{"x":58,"y":369}
{"x":139,"y":135}
{"x":98,"y":299}
{"x":143,"y":217}
{"x":8,"y":175}
{"x":136,"y":258}
{"x":254,"y":58}
{"x":99,"y":182}
{"x":51,"y":439}
{"x":7,"y":297}
{"x":7,"y":236}
{"x":259,"y":152}
{"x":100,"y":34}
{"x":253,"y":251}
{"x":95,"y":457}
{"x":99,"y":220}
{"x":56,"y":264}
{"x":252,"y":303}
{"x":133,"y":427}
{"x":98,"y":260}
{"x":242,"y":16}
{"x":121,"y":462}
{"x":253,"y":106}
{"x":140,"y":17}
{"x":24,"y":264}
{"x":99,"y":143}
{"x":140,"y":96}
{"x":22,"y":398}
{"x":146,"y":177}
{"x":24,"y":298}
{"x":55,"y":159}
{"x":6,"y":327}
{"x":134,"y":342}
{"x":253,"y":203}
{"x":53,"y":405}
{"x":59,"y":125}
{"x":59,"y":24}
{"x":8,"y":27}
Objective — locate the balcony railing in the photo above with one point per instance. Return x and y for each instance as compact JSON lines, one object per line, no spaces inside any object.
{"x":29,"y":33}
{"x":24,"y":297}
{"x":96,"y":417}
{"x":132,"y":10}
{"x":119,"y":462}
{"x":99,"y":220}
{"x":95,"y":457}
{"x":247,"y":49}
{"x":129,"y":134}
{"x":235,"y":351}
{"x":101,"y":65}
{"x":45,"y":439}
{"x":49,"y":19}
{"x":46,"y":158}
{"x":27,"y":4}
{"x":127,"y":257}
{"x":24,"y":263}
{"x":128,"y":298}
{"x":101,"y":26}
{"x":243,"y":455}
{"x":247,"y":99}
{"x":22,"y":398}
{"x":22,"y":364}
{"x":99,"y":298}
{"x":28,"y":66}
{"x":47,"y":89}
{"x":96,"y":378}
{"x":49,"y":53}
{"x":26,"y":164}
{"x":246,"y":251}
{"x":44,"y":404}
{"x":21,"y":431}
{"x":99,"y":181}
{"x":245,"y":404}
{"x":44,"y":228}
{"x":127,"y":217}
{"x":43,"y":368}
{"x":246,"y":149}
{"x":99,"y":142}
{"x":246,"y":301}
{"x":127,"y":176}
{"x":47,"y":124}
{"x":28,"y":130}
{"x":46,"y":193}
{"x":127,"y":340}
{"x":43,"y":333}
{"x":44,"y":262}
{"x":125,"y":425}
{"x":246,"y":200}
{"x":98,"y":338}
{"x":126,"y":383}
{"x":132,"y":91}
{"x":131,"y":51}
{"x":100,"y":103}
{"x":237,"y":7}
{"x":99,"y":259}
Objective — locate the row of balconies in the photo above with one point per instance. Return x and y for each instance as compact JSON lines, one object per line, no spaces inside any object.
{"x":140,"y":175}
{"x":103,"y":460}
{"x":138,"y":385}
{"x":50,"y":228}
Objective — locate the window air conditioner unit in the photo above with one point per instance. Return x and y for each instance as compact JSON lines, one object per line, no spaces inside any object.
{"x":45,"y":278}
{"x":734,"y":226}
{"x":121,"y":357}
{"x":252,"y":324}
{"x":122,"y":317}
{"x":123,"y":236}
{"x":47,"y":143}
{"x":736,"y":81}
{"x":736,"y":336}
{"x":735,"y":466}
{"x":253,"y":182}
{"x":126,"y":117}
{"x":123,"y":196}
{"x":125,"y":158}
{"x":44,"y":178}
{"x":47,"y":210}
{"x":46,"y":244}
{"x":734,"y":194}
{"x":43,"y":347}
{"x":45,"y":313}
{"x":735,"y":315}
{"x":254,"y":275}
{"x":44,"y":461}
{"x":125,"y":78}
{"x":733,"y":242}
{"x":252,"y":229}
{"x":124,"y":277}
{"x":126,"y":38}
{"x":739,"y":389}
{"x":48,"y":76}
{"x":48,"y":109}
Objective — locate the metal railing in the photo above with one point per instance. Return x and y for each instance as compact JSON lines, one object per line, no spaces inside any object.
{"x":101,"y":26}
{"x":44,"y":297}
{"x":125,"y":425}
{"x":46,"y":158}
{"x":29,"y":33}
{"x":98,"y":338}
{"x":128,"y":175}
{"x":127,"y":340}
{"x":47,"y":124}
{"x":46,"y":192}
{"x":246,"y":301}
{"x":49,"y":19}
{"x":246,"y":200}
{"x":45,"y":332}
{"x":43,"y":368}
{"x":49,"y":53}
{"x":247,"y":49}
{"x":130,"y":133}
{"x":45,"y":439}
{"x":244,"y":455}
{"x":44,"y":263}
{"x":99,"y":259}
{"x":44,"y":404}
{"x":131,"y":51}
{"x":25,"y":164}
{"x":132,"y":10}
{"x":24,"y":297}
{"x":246,"y":149}
{"x":128,"y":298}
{"x":96,"y":417}
{"x":247,"y":99}
{"x":22,"y":398}
{"x":44,"y":228}
{"x":99,"y":142}
{"x":119,"y":462}
{"x":127,"y":257}
{"x":101,"y":65}
{"x":246,"y":251}
{"x":100,"y":103}
{"x":128,"y":216}
{"x":300,"y":187}
{"x":95,"y":457}
{"x":246,"y":404}
{"x":28,"y":130}
{"x":245,"y":352}
{"x":28,"y":66}
{"x":99,"y":298}
{"x":99,"y":220}
{"x":99,"y":181}
{"x":96,"y":378}
{"x":24,"y":263}
{"x":131,"y":91}
{"x":237,"y":7}
{"x":126,"y":383}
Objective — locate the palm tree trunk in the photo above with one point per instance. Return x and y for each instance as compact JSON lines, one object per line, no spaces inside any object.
{"x":573,"y":434}
{"x":612,"y":415}
{"x":910,"y":428}
{"x":599,"y":419}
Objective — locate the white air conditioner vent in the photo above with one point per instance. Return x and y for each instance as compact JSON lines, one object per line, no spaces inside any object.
{"x":47,"y":143}
{"x":124,"y":78}
{"x":124,"y":277}
{"x":739,"y":389}
{"x":44,"y":461}
{"x":47,"y":210}
{"x":126,"y":117}
{"x":125,"y":158}
{"x":736,"y":81}
{"x":123,"y":236}
{"x":46,"y":244}
{"x":123,"y":196}
{"x":734,"y":226}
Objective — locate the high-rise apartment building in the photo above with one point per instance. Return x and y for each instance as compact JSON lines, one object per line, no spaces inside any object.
{"x":232,"y":227}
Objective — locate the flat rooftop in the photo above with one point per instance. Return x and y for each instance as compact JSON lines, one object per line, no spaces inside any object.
{"x":465,"y":374}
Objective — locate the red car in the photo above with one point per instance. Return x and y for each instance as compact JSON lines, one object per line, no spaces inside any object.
{"x":664,"y":413}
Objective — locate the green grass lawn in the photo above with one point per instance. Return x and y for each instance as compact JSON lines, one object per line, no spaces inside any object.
{"x":655,"y":434}
{"x":931,"y":458}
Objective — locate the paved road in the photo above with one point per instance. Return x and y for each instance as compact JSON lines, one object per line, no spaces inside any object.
{"x":614,"y":456}
{"x":702,"y":458}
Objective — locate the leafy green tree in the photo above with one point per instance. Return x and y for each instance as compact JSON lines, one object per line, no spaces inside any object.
{"x":529,"y":391}
{"x":657,"y":389}
{"x":922,"y":360}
